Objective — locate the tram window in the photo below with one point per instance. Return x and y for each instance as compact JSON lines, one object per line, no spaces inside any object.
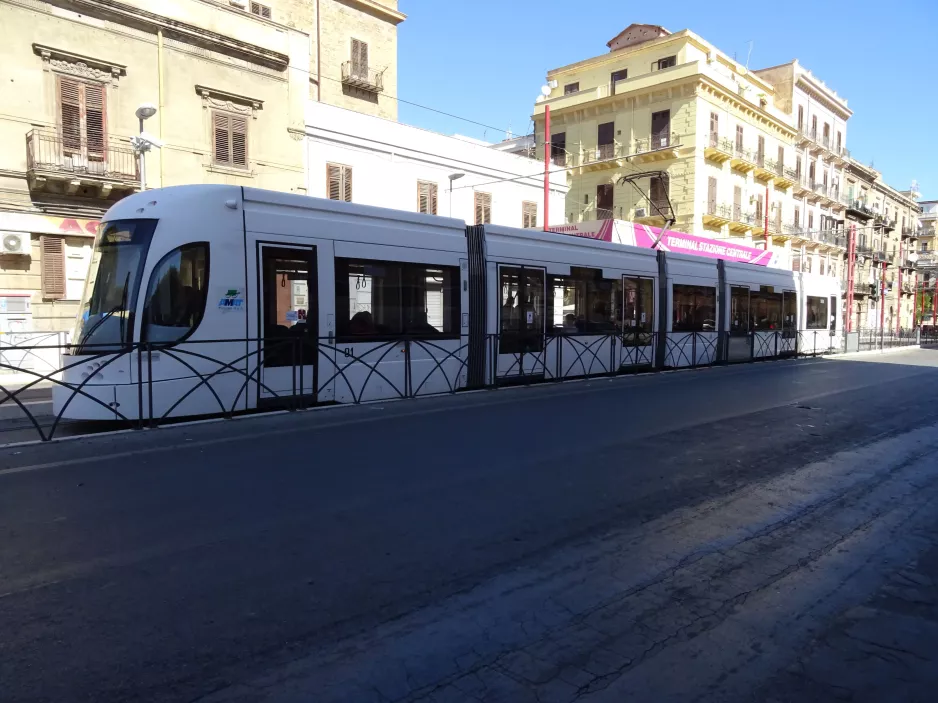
{"x":522,"y":309}
{"x":584,"y":303}
{"x":176,"y":295}
{"x":816,"y":312}
{"x":790,"y":311}
{"x":377,"y":299}
{"x":739,"y":310}
{"x":766,"y":311}
{"x":639,"y":308}
{"x":694,"y":309}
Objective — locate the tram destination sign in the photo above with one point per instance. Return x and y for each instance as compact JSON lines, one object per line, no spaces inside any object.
{"x":636,"y":235}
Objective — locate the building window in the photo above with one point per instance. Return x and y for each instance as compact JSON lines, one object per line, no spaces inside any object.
{"x":260,"y":10}
{"x":82,"y":116}
{"x":52,"y":258}
{"x":426,"y":197}
{"x":483,"y":207}
{"x":781,"y":159}
{"x":800,"y":117}
{"x":339,"y":182}
{"x":739,"y":137}
{"x":658,"y":194}
{"x":760,"y":151}
{"x":839,"y":141}
{"x":797,"y":216}
{"x":660,"y":129}
{"x":359,"y":58}
{"x":814,"y":127}
{"x":558,"y":148}
{"x":798,"y":167}
{"x":522,"y":309}
{"x":714,"y":129}
{"x":666,"y":62}
{"x":571,"y":88}
{"x":377,"y":299}
{"x":528,"y":215}
{"x":177,"y":294}
{"x":229,"y":140}
{"x":810,"y":221}
{"x":617,"y":76}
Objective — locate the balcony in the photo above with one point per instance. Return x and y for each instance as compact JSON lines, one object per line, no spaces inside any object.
{"x":74,"y":165}
{"x":763,"y":171}
{"x":602,"y":157}
{"x":860,"y":288}
{"x":863,"y":250}
{"x":806,"y":136}
{"x":362,"y":77}
{"x":784,"y":177}
{"x":879,"y":255}
{"x":801,"y":188}
{"x":718,"y":150}
{"x":717,"y":215}
{"x":908,"y":233}
{"x":659,"y":147}
{"x":743,"y":160}
{"x":859,"y":210}
{"x":814,"y":189}
{"x":742,"y":222}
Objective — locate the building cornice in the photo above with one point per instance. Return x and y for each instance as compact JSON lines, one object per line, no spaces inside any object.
{"x":79,"y":64}
{"x":376,"y":8}
{"x":183,"y":31}
{"x":744,"y":106}
{"x":817,"y":90}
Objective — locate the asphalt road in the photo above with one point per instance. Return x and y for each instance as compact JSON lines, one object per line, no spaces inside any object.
{"x":702,"y":535}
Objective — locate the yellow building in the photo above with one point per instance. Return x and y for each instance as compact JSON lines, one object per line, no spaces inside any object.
{"x":229,"y":81}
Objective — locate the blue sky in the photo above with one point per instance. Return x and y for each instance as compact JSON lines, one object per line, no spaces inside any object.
{"x":485,"y":60}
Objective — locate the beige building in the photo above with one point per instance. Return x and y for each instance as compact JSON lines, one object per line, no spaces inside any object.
{"x":757,"y":156}
{"x":229,"y":81}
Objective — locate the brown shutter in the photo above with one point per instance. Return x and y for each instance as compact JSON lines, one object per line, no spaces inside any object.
{"x":423,"y":197}
{"x":711,"y":195}
{"x":347,"y":185}
{"x":94,"y":119}
{"x":737,"y":203}
{"x":53,"y":267}
{"x":781,"y":158}
{"x":433,"y":201}
{"x":239,"y":141}
{"x":359,"y":57}
{"x":483,"y":207}
{"x":70,"y":105}
{"x":333,"y":182}
{"x":222,"y":138}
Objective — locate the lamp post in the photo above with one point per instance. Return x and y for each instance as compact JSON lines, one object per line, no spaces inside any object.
{"x":142,"y":146}
{"x":453,"y":177}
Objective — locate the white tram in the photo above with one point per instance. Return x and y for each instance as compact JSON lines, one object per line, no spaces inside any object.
{"x":206,"y":299}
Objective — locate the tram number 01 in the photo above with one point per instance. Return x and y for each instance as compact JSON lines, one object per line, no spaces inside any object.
{"x":347,"y":351}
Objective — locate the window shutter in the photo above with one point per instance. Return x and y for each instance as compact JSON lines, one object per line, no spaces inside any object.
{"x":347,"y":189}
{"x":333,"y":182}
{"x":53,"y":267}
{"x":239,"y":141}
{"x":480,"y":210}
{"x":433,"y":202}
{"x":359,"y":57}
{"x":529,"y":215}
{"x":70,"y":105}
{"x":426,"y":197}
{"x":94,"y":118}
{"x":222,"y":137}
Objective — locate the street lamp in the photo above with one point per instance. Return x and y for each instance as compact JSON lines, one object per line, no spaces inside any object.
{"x":453,"y":177}
{"x":143,"y":142}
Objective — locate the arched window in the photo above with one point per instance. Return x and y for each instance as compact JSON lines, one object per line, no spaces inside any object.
{"x":176,"y":295}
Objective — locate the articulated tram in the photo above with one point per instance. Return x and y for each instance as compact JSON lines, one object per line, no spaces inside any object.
{"x":206,"y":299}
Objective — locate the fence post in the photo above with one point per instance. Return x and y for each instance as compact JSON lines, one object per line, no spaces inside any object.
{"x":408,"y":373}
{"x":139,"y":387}
{"x":693,"y":359}
{"x":149,"y":381}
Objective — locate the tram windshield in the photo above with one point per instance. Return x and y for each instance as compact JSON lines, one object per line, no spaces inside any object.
{"x":106,"y":321}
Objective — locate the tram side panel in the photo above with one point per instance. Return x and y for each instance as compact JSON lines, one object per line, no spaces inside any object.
{"x":692,"y":338}
{"x":761,"y":310}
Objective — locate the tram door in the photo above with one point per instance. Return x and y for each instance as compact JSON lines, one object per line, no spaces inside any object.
{"x":289,"y":323}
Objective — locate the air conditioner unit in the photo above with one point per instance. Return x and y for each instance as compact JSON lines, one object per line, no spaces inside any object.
{"x":243,"y":4}
{"x":15,"y":243}
{"x":640,"y":212}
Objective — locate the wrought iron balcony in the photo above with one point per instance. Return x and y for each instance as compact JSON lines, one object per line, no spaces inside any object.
{"x":718,"y":149}
{"x":743,"y":159}
{"x":658,"y":147}
{"x":908,"y":232}
{"x":362,"y":77}
{"x":717,"y":215}
{"x":863,"y":250}
{"x":74,"y":164}
{"x":859,"y":209}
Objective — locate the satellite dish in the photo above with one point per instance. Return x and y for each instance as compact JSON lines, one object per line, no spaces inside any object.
{"x":545,"y":90}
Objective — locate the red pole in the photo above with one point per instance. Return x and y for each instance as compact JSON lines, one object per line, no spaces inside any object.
{"x":899,"y":296}
{"x":851,"y":256}
{"x":766,"y":240}
{"x":934,"y":303}
{"x":882,"y":299}
{"x":547,"y":156}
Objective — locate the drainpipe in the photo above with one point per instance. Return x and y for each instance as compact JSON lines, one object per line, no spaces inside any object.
{"x":159,"y":100}
{"x":899,"y":289}
{"x":547,"y":155}
{"x":318,"y":57}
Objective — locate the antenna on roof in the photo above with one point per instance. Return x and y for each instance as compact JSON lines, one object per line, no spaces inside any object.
{"x":749,"y":54}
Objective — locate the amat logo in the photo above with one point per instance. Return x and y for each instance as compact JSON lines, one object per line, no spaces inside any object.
{"x":232,"y":300}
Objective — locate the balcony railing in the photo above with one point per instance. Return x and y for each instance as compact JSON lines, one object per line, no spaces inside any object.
{"x":863,"y":250}
{"x":725,"y":145}
{"x":362,"y":77}
{"x":48,"y":155}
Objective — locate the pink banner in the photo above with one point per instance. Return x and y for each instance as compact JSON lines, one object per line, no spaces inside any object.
{"x":622,"y":232}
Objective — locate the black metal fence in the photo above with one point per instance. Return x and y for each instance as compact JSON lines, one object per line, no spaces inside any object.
{"x":146,"y":385}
